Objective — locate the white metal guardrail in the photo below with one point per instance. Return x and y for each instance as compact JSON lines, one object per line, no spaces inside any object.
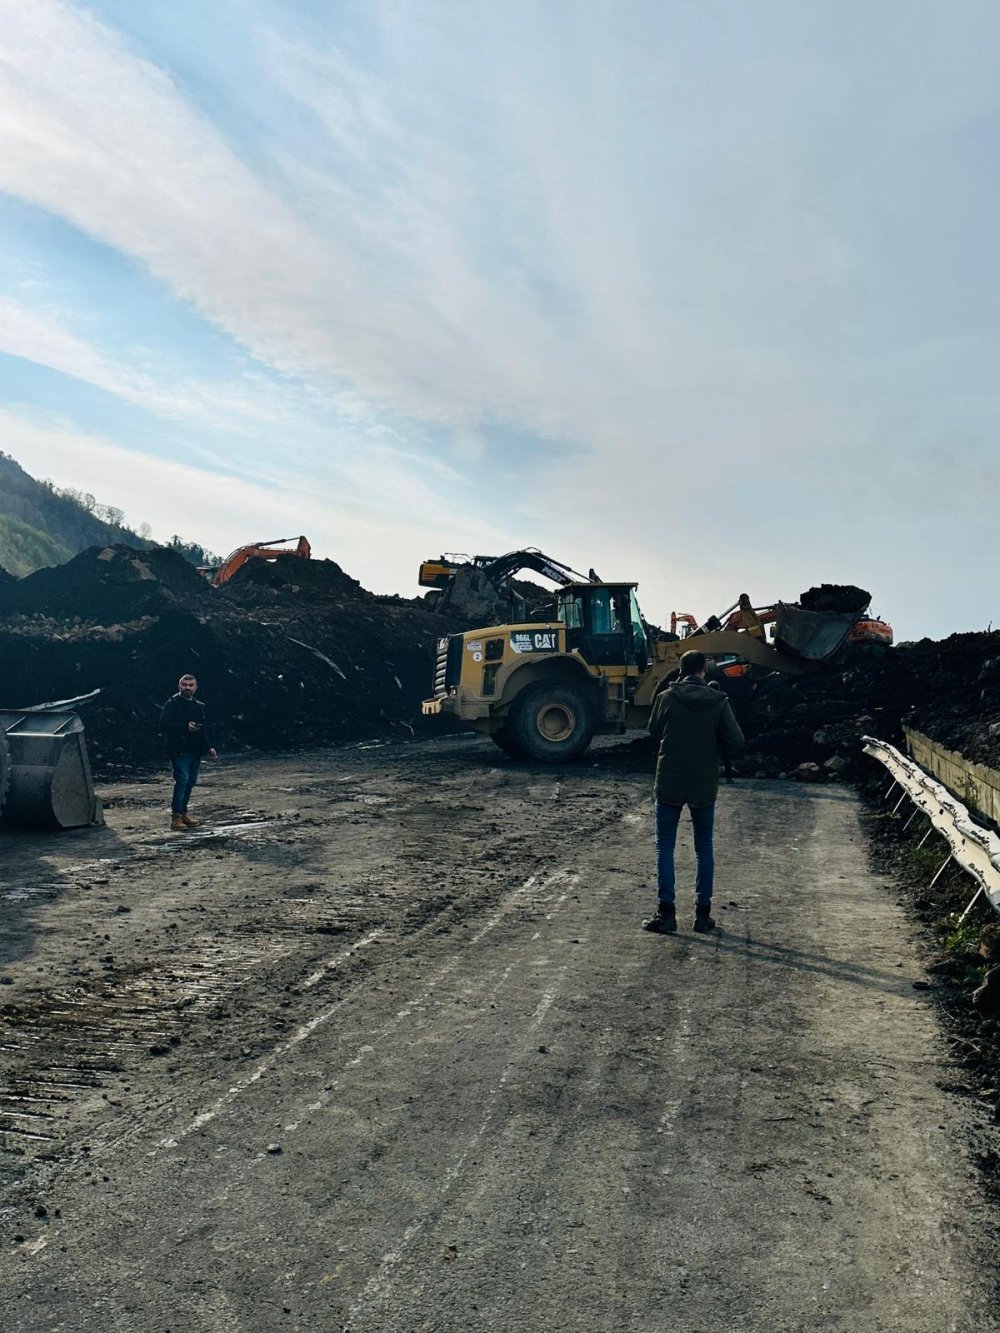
{"x":975,"y":849}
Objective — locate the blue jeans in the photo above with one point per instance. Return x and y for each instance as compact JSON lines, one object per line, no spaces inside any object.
{"x":185,"y":767}
{"x":667,"y":819}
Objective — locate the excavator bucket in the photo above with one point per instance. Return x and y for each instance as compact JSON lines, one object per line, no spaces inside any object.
{"x":812,"y":636}
{"x":45,"y":779}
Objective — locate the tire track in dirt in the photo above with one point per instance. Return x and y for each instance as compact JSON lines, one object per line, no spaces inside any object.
{"x":510,"y":903}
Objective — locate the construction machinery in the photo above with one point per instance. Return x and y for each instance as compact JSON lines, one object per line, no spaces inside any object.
{"x":871,"y":629}
{"x":45,"y":779}
{"x":482,"y":585}
{"x":545,"y":689}
{"x":272,"y":550}
{"x":741,"y":615}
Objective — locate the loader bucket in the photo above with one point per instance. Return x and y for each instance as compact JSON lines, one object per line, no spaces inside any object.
{"x":49,"y":782}
{"x":812,"y":636}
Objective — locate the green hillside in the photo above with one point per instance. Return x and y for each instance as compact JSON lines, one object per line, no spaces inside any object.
{"x":41,"y":525}
{"x":23,"y":549}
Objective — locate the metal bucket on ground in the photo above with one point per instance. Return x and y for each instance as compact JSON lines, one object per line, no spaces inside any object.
{"x":49,"y":783}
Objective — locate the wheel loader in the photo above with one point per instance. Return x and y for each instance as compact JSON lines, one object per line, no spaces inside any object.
{"x":544,"y":690}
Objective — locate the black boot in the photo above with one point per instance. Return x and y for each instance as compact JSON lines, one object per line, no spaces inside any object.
{"x":665,"y":921}
{"x":703,"y":921}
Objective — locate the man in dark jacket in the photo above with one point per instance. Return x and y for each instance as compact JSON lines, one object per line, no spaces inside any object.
{"x":182,"y":722}
{"x":695,"y":726}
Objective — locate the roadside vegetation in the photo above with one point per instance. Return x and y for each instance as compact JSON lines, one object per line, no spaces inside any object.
{"x":962,"y":955}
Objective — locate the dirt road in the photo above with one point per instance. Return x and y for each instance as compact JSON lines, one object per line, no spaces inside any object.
{"x":382,"y":1047}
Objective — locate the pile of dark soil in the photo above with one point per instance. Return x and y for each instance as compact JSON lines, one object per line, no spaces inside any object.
{"x":296,"y":652}
{"x":262,"y":583}
{"x":950,"y":690}
{"x":109,"y":584}
{"x":287,"y":654}
{"x":832,"y":597}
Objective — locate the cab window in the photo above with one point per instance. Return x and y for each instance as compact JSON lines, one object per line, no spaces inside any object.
{"x":601,"y":611}
{"x":642,"y":655}
{"x":571,"y":612}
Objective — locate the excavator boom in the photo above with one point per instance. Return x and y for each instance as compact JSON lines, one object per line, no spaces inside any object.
{"x":478,"y":586}
{"x":259,"y":550}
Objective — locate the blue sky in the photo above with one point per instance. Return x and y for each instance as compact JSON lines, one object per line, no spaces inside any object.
{"x":701,"y":295}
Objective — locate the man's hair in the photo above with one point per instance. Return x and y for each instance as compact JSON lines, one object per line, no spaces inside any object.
{"x":187,"y":676}
{"x":692,"y":662}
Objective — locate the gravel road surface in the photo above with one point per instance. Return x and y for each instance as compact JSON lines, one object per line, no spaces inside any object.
{"x":382,"y":1047}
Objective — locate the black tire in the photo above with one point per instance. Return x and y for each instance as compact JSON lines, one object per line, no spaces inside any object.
{"x":553,"y":723}
{"x":506,"y":741}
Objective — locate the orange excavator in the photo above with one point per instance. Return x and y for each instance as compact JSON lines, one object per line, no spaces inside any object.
{"x":273,"y":550}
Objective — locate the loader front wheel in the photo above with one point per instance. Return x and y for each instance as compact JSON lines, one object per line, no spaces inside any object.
{"x":553,"y":723}
{"x":506,"y":741}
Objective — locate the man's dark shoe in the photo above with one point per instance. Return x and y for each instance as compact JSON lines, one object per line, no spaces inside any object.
{"x":664,"y":923}
{"x":703,"y":921}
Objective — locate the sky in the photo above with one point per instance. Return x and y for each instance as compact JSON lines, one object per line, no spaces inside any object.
{"x":703,"y":295}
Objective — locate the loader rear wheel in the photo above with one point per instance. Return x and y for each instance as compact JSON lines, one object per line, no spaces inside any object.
{"x":553,"y":723}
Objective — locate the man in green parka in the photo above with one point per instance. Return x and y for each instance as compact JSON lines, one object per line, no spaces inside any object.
{"x":695,"y":726}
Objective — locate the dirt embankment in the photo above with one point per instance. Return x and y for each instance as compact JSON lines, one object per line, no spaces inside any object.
{"x":297,"y":652}
{"x":947,"y":689}
{"x":285,"y":654}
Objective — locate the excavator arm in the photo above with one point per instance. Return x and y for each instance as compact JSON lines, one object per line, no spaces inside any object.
{"x":262,"y":550}
{"x":475,"y":587}
{"x":506,"y":566}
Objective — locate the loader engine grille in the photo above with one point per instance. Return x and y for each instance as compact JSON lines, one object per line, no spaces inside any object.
{"x":448,"y":665}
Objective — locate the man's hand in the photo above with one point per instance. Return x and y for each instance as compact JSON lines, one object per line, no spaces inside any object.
{"x":192,"y":726}
{"x":212,"y":754}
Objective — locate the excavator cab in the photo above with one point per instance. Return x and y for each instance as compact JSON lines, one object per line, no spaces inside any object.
{"x":604,"y":624}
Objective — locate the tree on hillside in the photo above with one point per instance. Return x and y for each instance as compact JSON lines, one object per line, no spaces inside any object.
{"x":198,"y":555}
{"x":44,"y":524}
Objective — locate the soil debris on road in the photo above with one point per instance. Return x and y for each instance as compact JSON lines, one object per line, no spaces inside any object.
{"x":488,"y":1099}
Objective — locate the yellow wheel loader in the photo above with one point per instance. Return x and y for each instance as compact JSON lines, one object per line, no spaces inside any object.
{"x":544,"y":690}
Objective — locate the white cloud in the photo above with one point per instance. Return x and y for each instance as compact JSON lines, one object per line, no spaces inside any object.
{"x":44,"y":338}
{"x":661,"y":238}
{"x":383,"y":287}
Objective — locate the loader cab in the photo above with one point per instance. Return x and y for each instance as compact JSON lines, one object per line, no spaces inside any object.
{"x":604,"y":624}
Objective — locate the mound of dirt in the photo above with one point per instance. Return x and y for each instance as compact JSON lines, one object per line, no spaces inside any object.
{"x":287,"y":654}
{"x":110,"y":584}
{"x":296,"y":652}
{"x":950,"y":690}
{"x":261,"y":582}
{"x":832,"y":597}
